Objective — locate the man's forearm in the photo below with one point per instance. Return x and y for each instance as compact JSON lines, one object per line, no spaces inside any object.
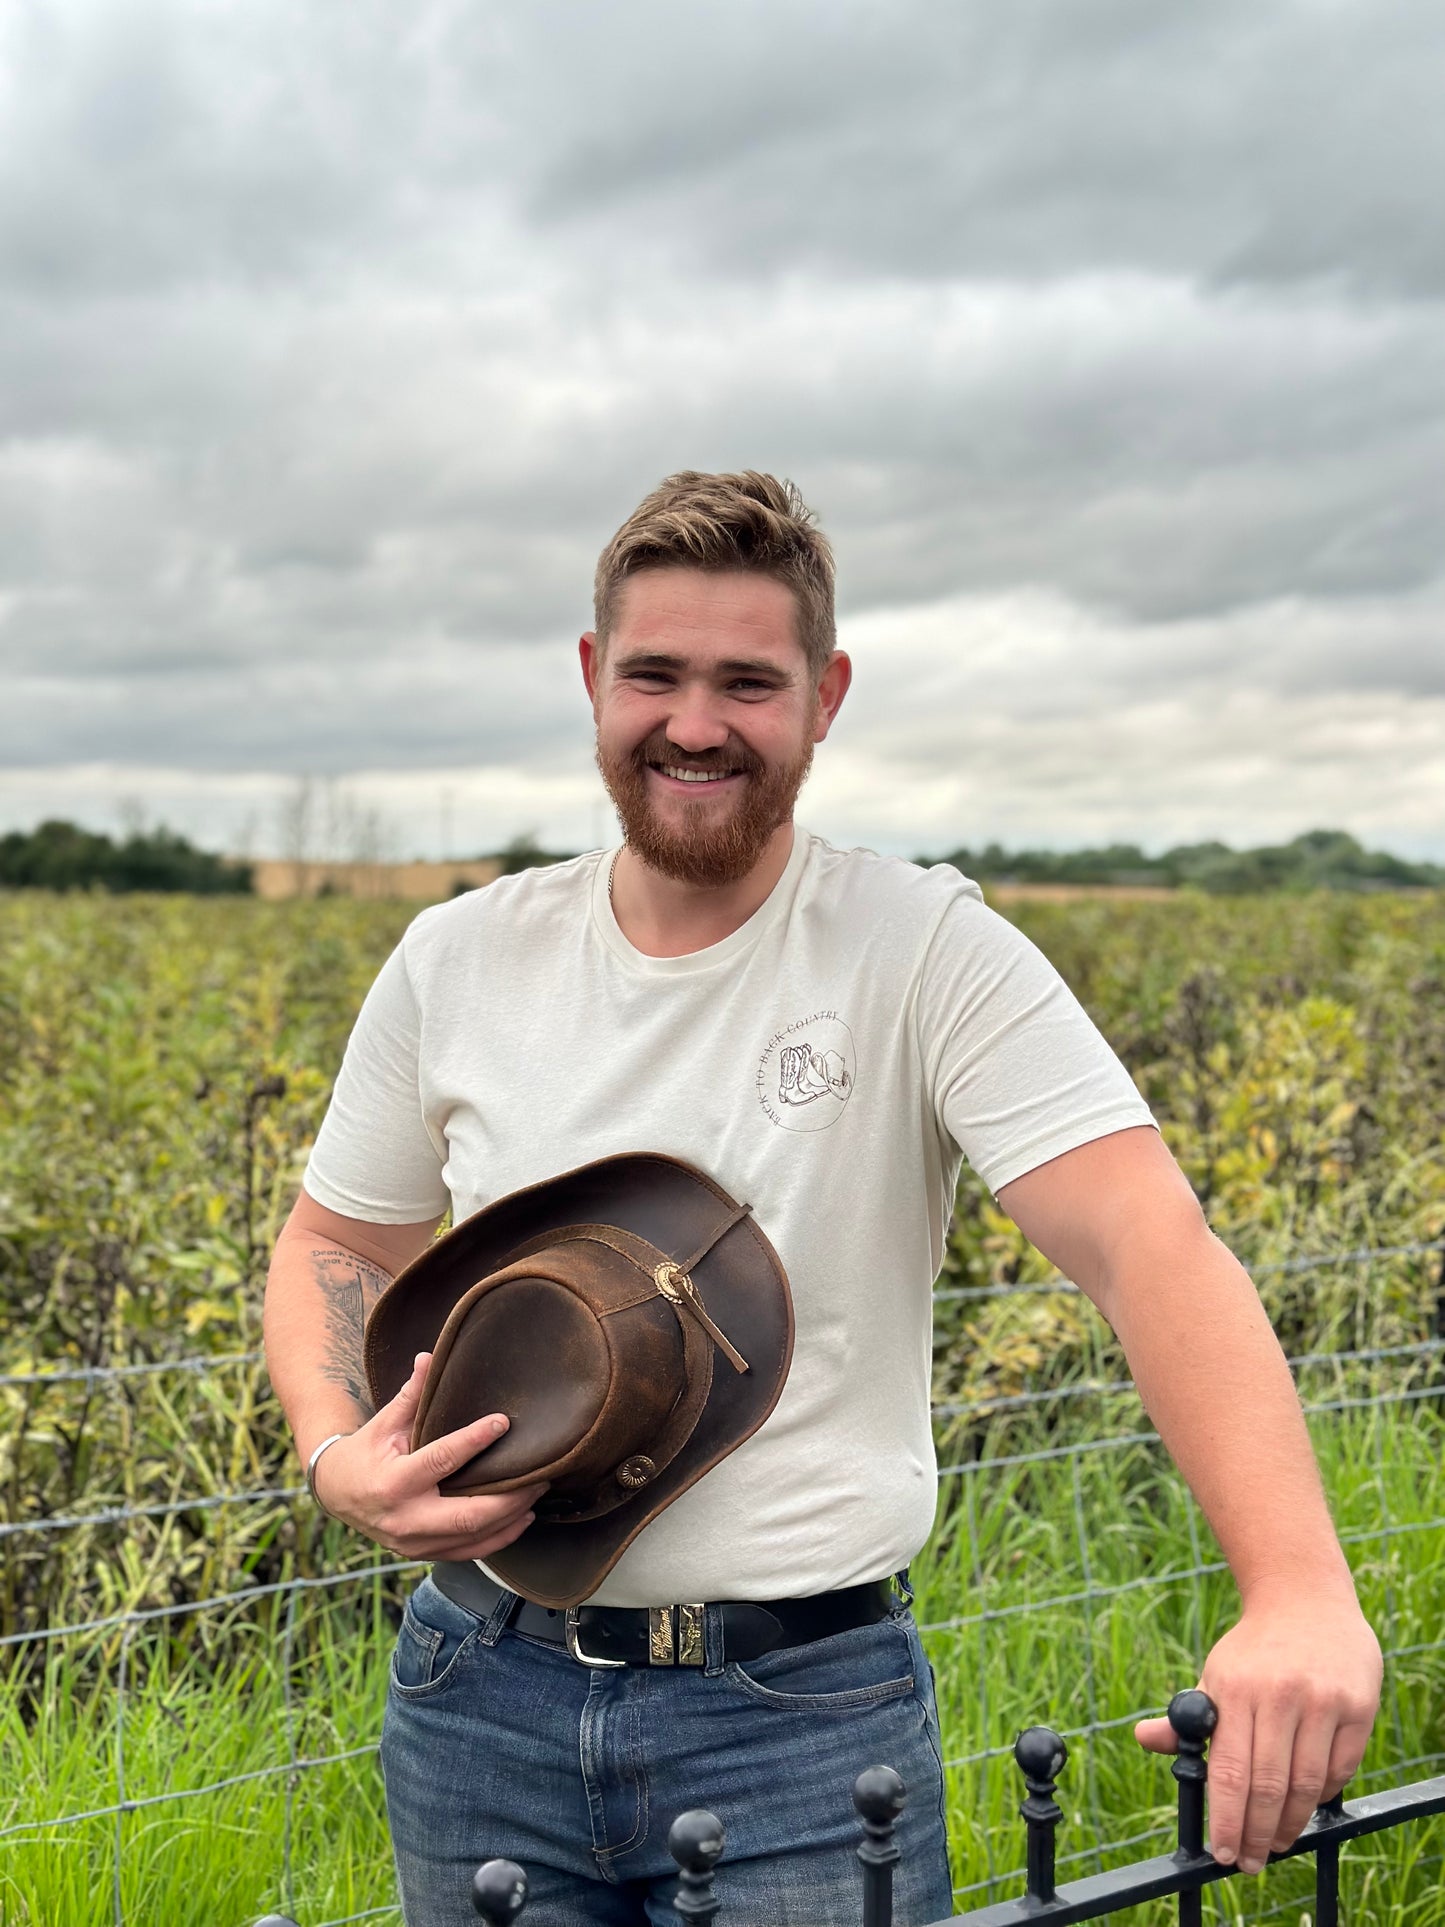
{"x":318,"y":1298}
{"x":1215,"y":1383}
{"x":1297,"y":1679}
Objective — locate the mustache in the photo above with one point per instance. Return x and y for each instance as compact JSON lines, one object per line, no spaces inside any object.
{"x":732,"y":756}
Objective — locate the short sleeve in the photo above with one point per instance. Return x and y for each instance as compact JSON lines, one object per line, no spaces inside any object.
{"x":375,"y":1157}
{"x":1018,"y":1071}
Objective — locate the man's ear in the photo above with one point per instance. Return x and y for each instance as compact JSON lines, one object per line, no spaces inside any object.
{"x":590,"y":653}
{"x":832,"y":688}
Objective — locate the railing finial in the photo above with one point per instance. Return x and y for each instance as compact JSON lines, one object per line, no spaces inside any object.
{"x":879,"y":1797}
{"x":695,"y":1841}
{"x":499,"y":1891}
{"x":1194,"y":1716}
{"x":1040,"y":1756}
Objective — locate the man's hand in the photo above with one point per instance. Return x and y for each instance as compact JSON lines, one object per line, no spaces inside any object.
{"x":374,"y":1481}
{"x":1296,"y":1683}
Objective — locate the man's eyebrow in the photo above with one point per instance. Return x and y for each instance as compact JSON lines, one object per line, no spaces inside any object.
{"x":647,"y":659}
{"x":640,"y":662}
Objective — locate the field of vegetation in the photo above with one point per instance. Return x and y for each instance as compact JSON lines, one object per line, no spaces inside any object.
{"x":164,"y":1062}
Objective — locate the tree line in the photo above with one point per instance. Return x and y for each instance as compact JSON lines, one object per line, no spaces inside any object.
{"x":62,"y":856}
{"x":1318,"y":860}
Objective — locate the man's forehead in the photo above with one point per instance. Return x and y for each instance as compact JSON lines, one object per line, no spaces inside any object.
{"x":739,"y":615}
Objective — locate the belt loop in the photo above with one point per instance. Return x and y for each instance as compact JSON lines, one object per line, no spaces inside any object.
{"x":712,"y":1638}
{"x":499,"y":1617}
{"x":905,"y":1586}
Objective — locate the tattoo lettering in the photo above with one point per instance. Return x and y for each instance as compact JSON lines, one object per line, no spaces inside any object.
{"x":349,"y":1287}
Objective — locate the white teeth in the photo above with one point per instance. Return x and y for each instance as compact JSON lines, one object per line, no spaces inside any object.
{"x":696,"y":775}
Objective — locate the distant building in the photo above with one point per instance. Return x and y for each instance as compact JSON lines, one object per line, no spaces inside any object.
{"x":279,"y":878}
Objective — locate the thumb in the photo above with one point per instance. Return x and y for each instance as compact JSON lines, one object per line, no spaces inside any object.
{"x":1157,"y":1736}
{"x":397,"y":1414}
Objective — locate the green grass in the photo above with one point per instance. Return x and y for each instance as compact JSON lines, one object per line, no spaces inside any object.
{"x":1084,"y":1625}
{"x":254,"y":1696}
{"x":1113,"y":1526}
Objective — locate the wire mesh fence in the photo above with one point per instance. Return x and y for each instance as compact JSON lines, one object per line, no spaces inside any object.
{"x":1066,"y":1550}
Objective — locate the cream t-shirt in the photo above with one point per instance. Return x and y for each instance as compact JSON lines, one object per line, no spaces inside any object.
{"x":831,"y":1061}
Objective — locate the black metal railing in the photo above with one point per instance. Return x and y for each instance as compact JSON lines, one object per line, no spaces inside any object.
{"x":696,"y":1842}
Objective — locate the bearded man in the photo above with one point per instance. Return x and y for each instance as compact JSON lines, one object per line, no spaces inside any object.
{"x":826,"y":1034}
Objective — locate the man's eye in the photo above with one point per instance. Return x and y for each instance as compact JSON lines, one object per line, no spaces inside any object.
{"x":751,"y":684}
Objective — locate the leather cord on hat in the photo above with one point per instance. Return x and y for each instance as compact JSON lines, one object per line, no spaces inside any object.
{"x":675,"y":1281}
{"x":740,"y":1212}
{"x":677,"y":1287}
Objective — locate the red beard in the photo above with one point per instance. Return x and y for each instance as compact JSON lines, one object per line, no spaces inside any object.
{"x":705,"y":855}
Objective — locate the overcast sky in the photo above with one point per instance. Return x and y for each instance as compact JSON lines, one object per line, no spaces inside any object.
{"x":1106,"y":336}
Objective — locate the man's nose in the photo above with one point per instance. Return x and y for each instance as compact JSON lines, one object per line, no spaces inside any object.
{"x":695,"y":721}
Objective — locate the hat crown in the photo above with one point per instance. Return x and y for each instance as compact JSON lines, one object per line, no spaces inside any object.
{"x":576,"y":1344}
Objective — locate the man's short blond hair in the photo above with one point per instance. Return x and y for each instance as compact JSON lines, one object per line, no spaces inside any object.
{"x":748,"y":521}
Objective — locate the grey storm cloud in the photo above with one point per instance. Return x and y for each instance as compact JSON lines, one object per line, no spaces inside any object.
{"x":1234,"y":142}
{"x":334,"y":342}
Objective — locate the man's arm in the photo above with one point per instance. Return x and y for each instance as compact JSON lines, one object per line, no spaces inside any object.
{"x":326,"y":1274}
{"x":1297,"y":1680}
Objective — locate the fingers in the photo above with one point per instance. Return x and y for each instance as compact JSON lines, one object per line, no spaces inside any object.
{"x":1352,"y":1736}
{"x":1263,"y":1786}
{"x":1266,"y":1777}
{"x":1268,"y":1774}
{"x":493,"y":1542}
{"x":1269,"y":1765}
{"x":443,"y":1528}
{"x":384,"y":1489}
{"x":1229,"y":1781}
{"x":1308,"y":1769}
{"x":397,"y":1414}
{"x":438,"y":1458}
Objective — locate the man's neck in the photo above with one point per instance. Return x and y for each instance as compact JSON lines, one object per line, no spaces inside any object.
{"x":664,"y":918}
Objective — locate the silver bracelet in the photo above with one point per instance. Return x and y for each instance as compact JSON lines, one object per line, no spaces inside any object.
{"x":311,"y":1469}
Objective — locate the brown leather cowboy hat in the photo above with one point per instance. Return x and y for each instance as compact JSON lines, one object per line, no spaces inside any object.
{"x":633,"y":1323}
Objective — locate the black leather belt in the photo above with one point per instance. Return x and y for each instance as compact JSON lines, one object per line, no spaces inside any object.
{"x":671,"y":1635}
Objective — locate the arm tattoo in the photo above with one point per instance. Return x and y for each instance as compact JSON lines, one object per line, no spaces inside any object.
{"x":349,"y":1287}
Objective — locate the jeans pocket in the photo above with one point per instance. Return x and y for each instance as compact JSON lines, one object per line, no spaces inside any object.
{"x":862,"y":1667}
{"x":435,"y":1635}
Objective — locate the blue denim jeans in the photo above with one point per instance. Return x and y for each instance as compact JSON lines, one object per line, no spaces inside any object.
{"x":495,"y":1744}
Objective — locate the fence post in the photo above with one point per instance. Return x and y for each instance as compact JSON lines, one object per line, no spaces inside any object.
{"x":695,"y":1841}
{"x":879,"y":1796}
{"x":1040,"y":1755}
{"x":1194,"y":1716}
{"x":499,"y":1891}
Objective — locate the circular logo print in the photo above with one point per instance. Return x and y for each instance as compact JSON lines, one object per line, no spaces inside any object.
{"x":805,"y":1076}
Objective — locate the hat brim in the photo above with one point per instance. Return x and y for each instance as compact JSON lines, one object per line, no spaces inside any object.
{"x":741,"y":1281}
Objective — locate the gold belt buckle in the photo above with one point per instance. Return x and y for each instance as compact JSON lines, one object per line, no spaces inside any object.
{"x":675,"y":1636}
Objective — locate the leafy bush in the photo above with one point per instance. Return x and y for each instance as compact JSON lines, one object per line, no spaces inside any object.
{"x":164,"y":1065}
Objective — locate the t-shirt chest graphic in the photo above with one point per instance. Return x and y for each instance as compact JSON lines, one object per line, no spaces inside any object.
{"x":808,"y":1071}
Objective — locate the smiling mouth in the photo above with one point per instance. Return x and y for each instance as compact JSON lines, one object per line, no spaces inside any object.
{"x":694,"y":775}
